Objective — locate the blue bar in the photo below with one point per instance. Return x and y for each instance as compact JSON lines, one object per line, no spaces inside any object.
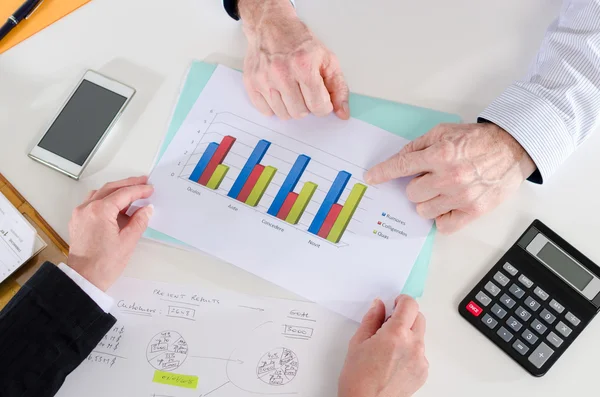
{"x":289,"y":184}
{"x":332,"y":198}
{"x":255,"y":158}
{"x":204,"y":160}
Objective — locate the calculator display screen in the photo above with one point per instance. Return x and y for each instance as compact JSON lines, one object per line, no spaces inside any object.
{"x":565,"y":266}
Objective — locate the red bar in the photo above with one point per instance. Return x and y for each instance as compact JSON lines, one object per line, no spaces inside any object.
{"x":287,"y":205}
{"x":474,"y":309}
{"x":334,"y":212}
{"x":250,"y":183}
{"x":222,"y":151}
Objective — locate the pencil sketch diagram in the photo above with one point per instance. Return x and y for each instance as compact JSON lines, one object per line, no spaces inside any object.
{"x":167,"y":351}
{"x":278,"y":367}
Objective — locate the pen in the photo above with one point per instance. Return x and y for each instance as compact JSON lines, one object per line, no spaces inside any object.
{"x":22,"y":13}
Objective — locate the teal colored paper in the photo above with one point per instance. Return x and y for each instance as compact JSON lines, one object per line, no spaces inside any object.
{"x":407,"y":121}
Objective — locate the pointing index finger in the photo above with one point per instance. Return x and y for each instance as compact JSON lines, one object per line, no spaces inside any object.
{"x":398,"y":166}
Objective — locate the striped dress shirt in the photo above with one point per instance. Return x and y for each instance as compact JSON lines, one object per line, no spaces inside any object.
{"x":556,"y":105}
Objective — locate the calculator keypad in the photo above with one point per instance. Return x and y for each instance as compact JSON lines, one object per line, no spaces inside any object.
{"x":557,"y":306}
{"x":539,"y":327}
{"x":483,"y":299}
{"x":508,"y":301}
{"x":492,"y":288}
{"x":501,"y":279}
{"x":516,"y":291}
{"x":543,"y":295}
{"x":547,"y":316}
{"x":523,"y":315}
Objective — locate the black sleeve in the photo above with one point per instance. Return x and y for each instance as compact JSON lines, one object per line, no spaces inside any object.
{"x":231,"y":6}
{"x":46,"y":331}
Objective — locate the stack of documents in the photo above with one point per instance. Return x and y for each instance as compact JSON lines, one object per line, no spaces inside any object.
{"x":297,"y":185}
{"x":19,"y":241}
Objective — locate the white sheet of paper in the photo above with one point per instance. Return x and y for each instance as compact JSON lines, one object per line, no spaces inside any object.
{"x":376,"y":253}
{"x":17,"y":238}
{"x":236,"y":345}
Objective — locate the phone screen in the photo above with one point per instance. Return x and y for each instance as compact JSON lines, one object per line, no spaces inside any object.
{"x":82,"y":123}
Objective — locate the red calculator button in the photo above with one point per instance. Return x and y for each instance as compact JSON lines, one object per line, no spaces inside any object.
{"x":474,"y":309}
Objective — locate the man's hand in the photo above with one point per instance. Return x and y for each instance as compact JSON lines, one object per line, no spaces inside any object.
{"x":386,"y":358}
{"x":287,"y":70}
{"x":102,"y":237}
{"x":464,"y":171}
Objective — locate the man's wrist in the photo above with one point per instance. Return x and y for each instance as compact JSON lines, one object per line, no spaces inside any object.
{"x":257,"y":13}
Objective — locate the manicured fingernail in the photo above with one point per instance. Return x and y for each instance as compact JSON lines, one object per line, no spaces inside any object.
{"x":346,"y":107}
{"x":150,"y":210}
{"x":368,"y":177}
{"x":375,"y":303}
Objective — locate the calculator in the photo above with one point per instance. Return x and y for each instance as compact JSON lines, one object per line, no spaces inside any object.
{"x":536,"y":300}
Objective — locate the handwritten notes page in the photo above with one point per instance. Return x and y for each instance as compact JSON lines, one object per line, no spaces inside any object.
{"x":178,"y":341}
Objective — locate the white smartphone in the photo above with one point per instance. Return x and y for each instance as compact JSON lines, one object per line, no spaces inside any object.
{"x":75,"y":134}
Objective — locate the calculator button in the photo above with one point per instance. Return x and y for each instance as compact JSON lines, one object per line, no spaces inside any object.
{"x":572,"y":319}
{"x":504,"y":334}
{"x":474,"y":309}
{"x":554,"y":339}
{"x":547,"y":316}
{"x":498,"y":311}
{"x":508,"y":301}
{"x":514,"y":324}
{"x":525,"y":281}
{"x":532,"y":304}
{"x":557,"y":306}
{"x":563,"y":329}
{"x":520,"y":347}
{"x":489,"y":321}
{"x":540,"y":293}
{"x":523,"y":314}
{"x":492,"y":288}
{"x":483,"y":298}
{"x":541,"y":355}
{"x":529,"y":337}
{"x":538,"y":327}
{"x":501,"y":279}
{"x":516,"y":291}
{"x":510,"y":269}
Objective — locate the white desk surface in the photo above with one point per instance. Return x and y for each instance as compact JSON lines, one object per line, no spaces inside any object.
{"x":454,"y":56}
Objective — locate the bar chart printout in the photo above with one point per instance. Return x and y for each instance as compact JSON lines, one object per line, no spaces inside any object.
{"x":332,"y":218}
{"x":210,"y":170}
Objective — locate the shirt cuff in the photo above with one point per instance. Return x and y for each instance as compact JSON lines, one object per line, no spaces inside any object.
{"x":536,"y":125}
{"x":104,"y":301}
{"x":231,"y":6}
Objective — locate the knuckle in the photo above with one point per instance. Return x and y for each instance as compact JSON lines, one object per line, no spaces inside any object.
{"x":97,"y":207}
{"x":303,"y":61}
{"x":280,"y":69}
{"x":456,"y":176}
{"x":446,"y":151}
{"x":400,"y":164}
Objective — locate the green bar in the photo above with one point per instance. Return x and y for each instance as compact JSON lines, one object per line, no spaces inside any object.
{"x":261,"y":186}
{"x":340,"y":225}
{"x":217,"y":177}
{"x":302,"y":201}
